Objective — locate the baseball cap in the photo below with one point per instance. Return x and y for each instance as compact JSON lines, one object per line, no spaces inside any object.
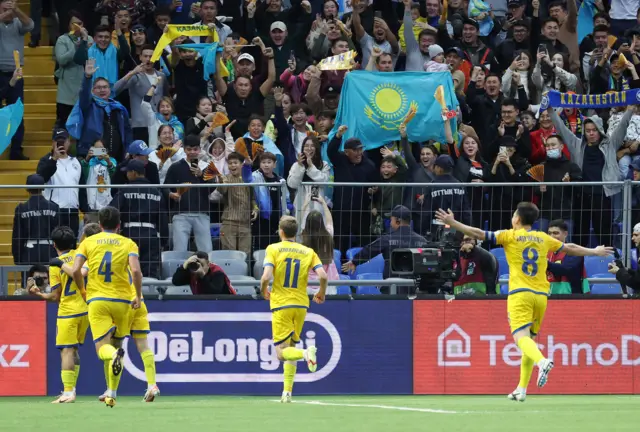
{"x":635,"y":165}
{"x":139,"y":148}
{"x":515,"y":3}
{"x":246,"y":56}
{"x":444,"y":161}
{"x":137,"y":28}
{"x":401,"y":212}
{"x":136,"y":166}
{"x":435,"y":50}
{"x":636,"y":228}
{"x":60,"y":134}
{"x":353,"y":144}
{"x":471,"y":21}
{"x":456,"y":50}
{"x":279,"y":25}
{"x":332,"y":92}
{"x":192,"y":141}
{"x":35,"y":180}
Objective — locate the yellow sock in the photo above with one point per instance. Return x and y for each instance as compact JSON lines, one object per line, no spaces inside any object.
{"x":149,"y":367}
{"x":77,"y":373}
{"x":68,"y":378}
{"x":106,"y":351}
{"x":114,"y":381}
{"x":289,"y":374}
{"x":526,"y":368}
{"x":530,"y":349}
{"x":292,"y":354}
{"x":106,"y":373}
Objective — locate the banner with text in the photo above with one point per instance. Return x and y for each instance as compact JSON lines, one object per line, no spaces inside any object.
{"x":225,"y":347}
{"x":464,"y":347}
{"x":23,"y":349}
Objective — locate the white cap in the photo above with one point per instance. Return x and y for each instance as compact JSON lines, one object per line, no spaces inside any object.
{"x":636,"y":228}
{"x":246,"y":56}
{"x":279,"y":25}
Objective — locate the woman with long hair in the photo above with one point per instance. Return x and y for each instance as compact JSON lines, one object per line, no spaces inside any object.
{"x":201,"y":124}
{"x":471,"y":168}
{"x":163,"y":116}
{"x":166,"y":140}
{"x":522,"y":66}
{"x":309,"y":168}
{"x":318,"y":235}
{"x":551,"y":73}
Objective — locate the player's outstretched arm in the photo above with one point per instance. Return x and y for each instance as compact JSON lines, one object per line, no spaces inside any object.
{"x":447,"y":218}
{"x":267,"y":275}
{"x":577,"y":250}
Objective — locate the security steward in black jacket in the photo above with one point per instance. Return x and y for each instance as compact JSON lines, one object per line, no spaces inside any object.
{"x":33,"y":222}
{"x":400,"y":237}
{"x":445,"y":196}
{"x":627,"y":277}
{"x":143,"y":216}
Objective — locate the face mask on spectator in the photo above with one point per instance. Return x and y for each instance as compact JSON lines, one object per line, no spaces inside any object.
{"x":554,"y":153}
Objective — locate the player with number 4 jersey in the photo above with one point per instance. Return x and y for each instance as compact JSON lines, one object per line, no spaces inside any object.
{"x":110,"y":258}
{"x":526,"y":253}
{"x":288,"y":263}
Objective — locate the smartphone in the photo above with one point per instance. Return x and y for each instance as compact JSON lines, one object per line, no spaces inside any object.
{"x":542,"y":48}
{"x":194,"y":164}
{"x":292,"y":55}
{"x":509,"y":16}
{"x":378,"y":14}
{"x":99,"y":151}
{"x":314,"y":192}
{"x":503,"y":150}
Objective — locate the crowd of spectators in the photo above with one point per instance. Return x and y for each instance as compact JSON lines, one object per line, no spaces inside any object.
{"x":281,"y":108}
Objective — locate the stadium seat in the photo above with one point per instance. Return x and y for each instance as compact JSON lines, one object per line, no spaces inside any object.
{"x":504,"y":287}
{"x":634,"y":259}
{"x":337,"y":259}
{"x":169,"y":267}
{"x":605,"y":287}
{"x":244,"y":289}
{"x":595,"y":265}
{"x":369,"y":276}
{"x":233,"y":267}
{"x":344,"y":290}
{"x":258,"y":258}
{"x":178,"y":290}
{"x":215,"y":229}
{"x":148,"y":286}
{"x":367,"y":290}
{"x":216,"y":255}
{"x":376,"y":265}
{"x":497,"y":252}
{"x":352,"y":252}
{"x":176,"y":255}
{"x":503,"y":266}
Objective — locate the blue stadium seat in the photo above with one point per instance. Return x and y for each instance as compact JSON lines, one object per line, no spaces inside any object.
{"x":233,"y":267}
{"x":369,"y":276}
{"x":504,"y":287}
{"x":634,"y":259}
{"x":503,"y":266}
{"x":367,"y":290}
{"x":344,"y":290}
{"x":337,"y":259}
{"x":498,"y":252}
{"x":215,"y":230}
{"x":375,"y":265}
{"x":605,"y":287}
{"x":595,"y":265}
{"x":216,"y":255}
{"x":352,"y":252}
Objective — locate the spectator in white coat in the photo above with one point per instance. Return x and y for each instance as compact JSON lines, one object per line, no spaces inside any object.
{"x":309,"y":168}
{"x":166,"y":139}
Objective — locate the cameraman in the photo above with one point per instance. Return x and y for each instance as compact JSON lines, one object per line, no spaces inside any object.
{"x":38,"y":275}
{"x":478,"y":270}
{"x":629,"y":278}
{"x":202,"y":276}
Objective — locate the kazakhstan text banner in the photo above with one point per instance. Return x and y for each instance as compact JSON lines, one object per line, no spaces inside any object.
{"x":556,"y":99}
{"x":374,"y":104}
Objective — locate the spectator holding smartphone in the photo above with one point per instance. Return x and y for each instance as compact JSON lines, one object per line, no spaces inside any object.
{"x":309,"y":168}
{"x":97,"y":169}
{"x":318,"y":235}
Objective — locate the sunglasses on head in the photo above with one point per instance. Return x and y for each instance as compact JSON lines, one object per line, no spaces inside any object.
{"x":137,"y":30}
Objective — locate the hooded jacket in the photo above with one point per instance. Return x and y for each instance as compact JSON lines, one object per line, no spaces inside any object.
{"x":608,"y":145}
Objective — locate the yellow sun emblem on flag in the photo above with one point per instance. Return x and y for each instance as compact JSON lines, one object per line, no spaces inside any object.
{"x":388,"y":106}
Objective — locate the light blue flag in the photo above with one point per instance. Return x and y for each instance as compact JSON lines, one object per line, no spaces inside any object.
{"x":374,"y":104}
{"x":585,"y":19}
{"x":208,"y":52}
{"x":476,"y":7}
{"x":10,"y":119}
{"x":165,"y":69}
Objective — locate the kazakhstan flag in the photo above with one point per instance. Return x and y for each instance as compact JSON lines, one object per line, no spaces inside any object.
{"x":374,"y":104}
{"x":10,"y":119}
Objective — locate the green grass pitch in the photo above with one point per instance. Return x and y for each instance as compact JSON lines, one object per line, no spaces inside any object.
{"x":327,"y":414}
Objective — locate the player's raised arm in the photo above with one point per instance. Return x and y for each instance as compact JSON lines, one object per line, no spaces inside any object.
{"x":447,"y":218}
{"x":576,"y":250}
{"x":136,"y":275}
{"x":267,"y":275}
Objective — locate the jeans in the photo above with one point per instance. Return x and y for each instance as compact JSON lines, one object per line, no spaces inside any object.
{"x":624,"y":163}
{"x":182,"y":226}
{"x":10,"y":95}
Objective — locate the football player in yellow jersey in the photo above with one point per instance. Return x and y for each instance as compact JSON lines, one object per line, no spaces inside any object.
{"x":288,"y":263}
{"x":72,"y":322}
{"x":109,"y":257}
{"x":526,"y":252}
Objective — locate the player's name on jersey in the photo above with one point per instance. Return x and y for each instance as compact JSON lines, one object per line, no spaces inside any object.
{"x":142,"y":196}
{"x":529,"y":238}
{"x":108,"y":241}
{"x":292,"y":250}
{"x":37,"y":213}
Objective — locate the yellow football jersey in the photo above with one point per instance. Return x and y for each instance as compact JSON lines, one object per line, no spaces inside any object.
{"x":526,"y":254}
{"x":107,"y":256}
{"x":291,"y":262}
{"x":71,"y":301}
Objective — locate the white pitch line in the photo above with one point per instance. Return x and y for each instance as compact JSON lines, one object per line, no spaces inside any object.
{"x":389,"y":407}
